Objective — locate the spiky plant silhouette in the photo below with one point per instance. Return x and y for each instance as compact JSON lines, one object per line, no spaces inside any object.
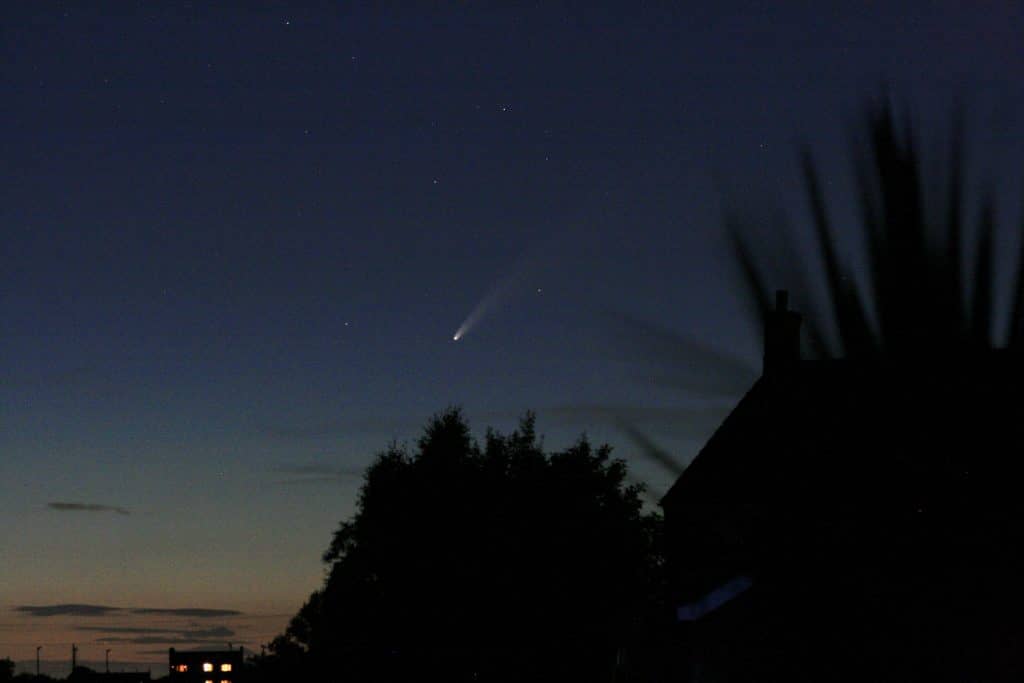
{"x":919,"y":296}
{"x":926,"y":283}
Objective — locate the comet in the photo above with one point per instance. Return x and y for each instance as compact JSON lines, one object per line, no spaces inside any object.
{"x":489,"y":301}
{"x":528,"y":264}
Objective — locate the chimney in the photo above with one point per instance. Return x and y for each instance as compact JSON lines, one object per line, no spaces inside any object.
{"x":781,"y":336}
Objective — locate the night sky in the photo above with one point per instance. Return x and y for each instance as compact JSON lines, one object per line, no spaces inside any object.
{"x":238,"y":243}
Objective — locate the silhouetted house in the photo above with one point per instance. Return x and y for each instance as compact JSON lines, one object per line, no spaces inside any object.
{"x":203,"y":666}
{"x":855,"y":519}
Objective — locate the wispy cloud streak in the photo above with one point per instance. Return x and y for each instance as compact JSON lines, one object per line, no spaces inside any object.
{"x":198,"y":612}
{"x":212,"y":632}
{"x":87,"y":507}
{"x":311,"y":473}
{"x":73,"y":610}
{"x":83,"y":610}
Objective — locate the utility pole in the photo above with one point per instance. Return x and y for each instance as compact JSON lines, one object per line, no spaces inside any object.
{"x":107,"y":659}
{"x":38,"y":648}
{"x":74,"y":657}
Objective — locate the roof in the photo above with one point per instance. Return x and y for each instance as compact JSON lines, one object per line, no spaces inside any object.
{"x":831,"y":423}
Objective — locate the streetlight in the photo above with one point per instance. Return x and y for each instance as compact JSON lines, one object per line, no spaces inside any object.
{"x":107,"y":659}
{"x":38,"y":648}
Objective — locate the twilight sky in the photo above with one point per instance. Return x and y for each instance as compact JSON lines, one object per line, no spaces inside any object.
{"x":238,"y":242}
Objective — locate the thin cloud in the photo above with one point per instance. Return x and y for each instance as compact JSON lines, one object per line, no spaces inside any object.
{"x":679,"y":361}
{"x":204,"y":645}
{"x":314,"y":468}
{"x":178,"y":633}
{"x":73,"y":610}
{"x":198,"y":612}
{"x":79,"y":610}
{"x":160,"y":640}
{"x":333,"y":427}
{"x":87,"y":507}
{"x":692,"y":421}
{"x":313,"y":473}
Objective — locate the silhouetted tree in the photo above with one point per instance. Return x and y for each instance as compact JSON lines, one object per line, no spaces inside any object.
{"x":499,"y":562}
{"x":6,"y":669}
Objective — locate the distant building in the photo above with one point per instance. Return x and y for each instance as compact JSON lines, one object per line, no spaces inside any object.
{"x":206,"y":666}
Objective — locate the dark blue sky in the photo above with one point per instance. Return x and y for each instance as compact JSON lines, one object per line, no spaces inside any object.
{"x":237,"y":243}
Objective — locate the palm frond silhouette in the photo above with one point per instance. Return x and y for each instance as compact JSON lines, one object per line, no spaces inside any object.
{"x":912,"y":295}
{"x":917,"y":229}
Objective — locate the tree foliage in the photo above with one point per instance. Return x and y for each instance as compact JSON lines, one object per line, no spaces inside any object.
{"x":482,"y":562}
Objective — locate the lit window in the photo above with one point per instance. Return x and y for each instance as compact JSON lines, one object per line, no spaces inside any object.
{"x":224,"y":680}
{"x":225,"y":667}
{"x":183,"y":668}
{"x":207,"y":667}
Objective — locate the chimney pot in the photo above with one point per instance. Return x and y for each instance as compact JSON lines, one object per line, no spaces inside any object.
{"x":781,"y":300}
{"x":781,"y":336}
